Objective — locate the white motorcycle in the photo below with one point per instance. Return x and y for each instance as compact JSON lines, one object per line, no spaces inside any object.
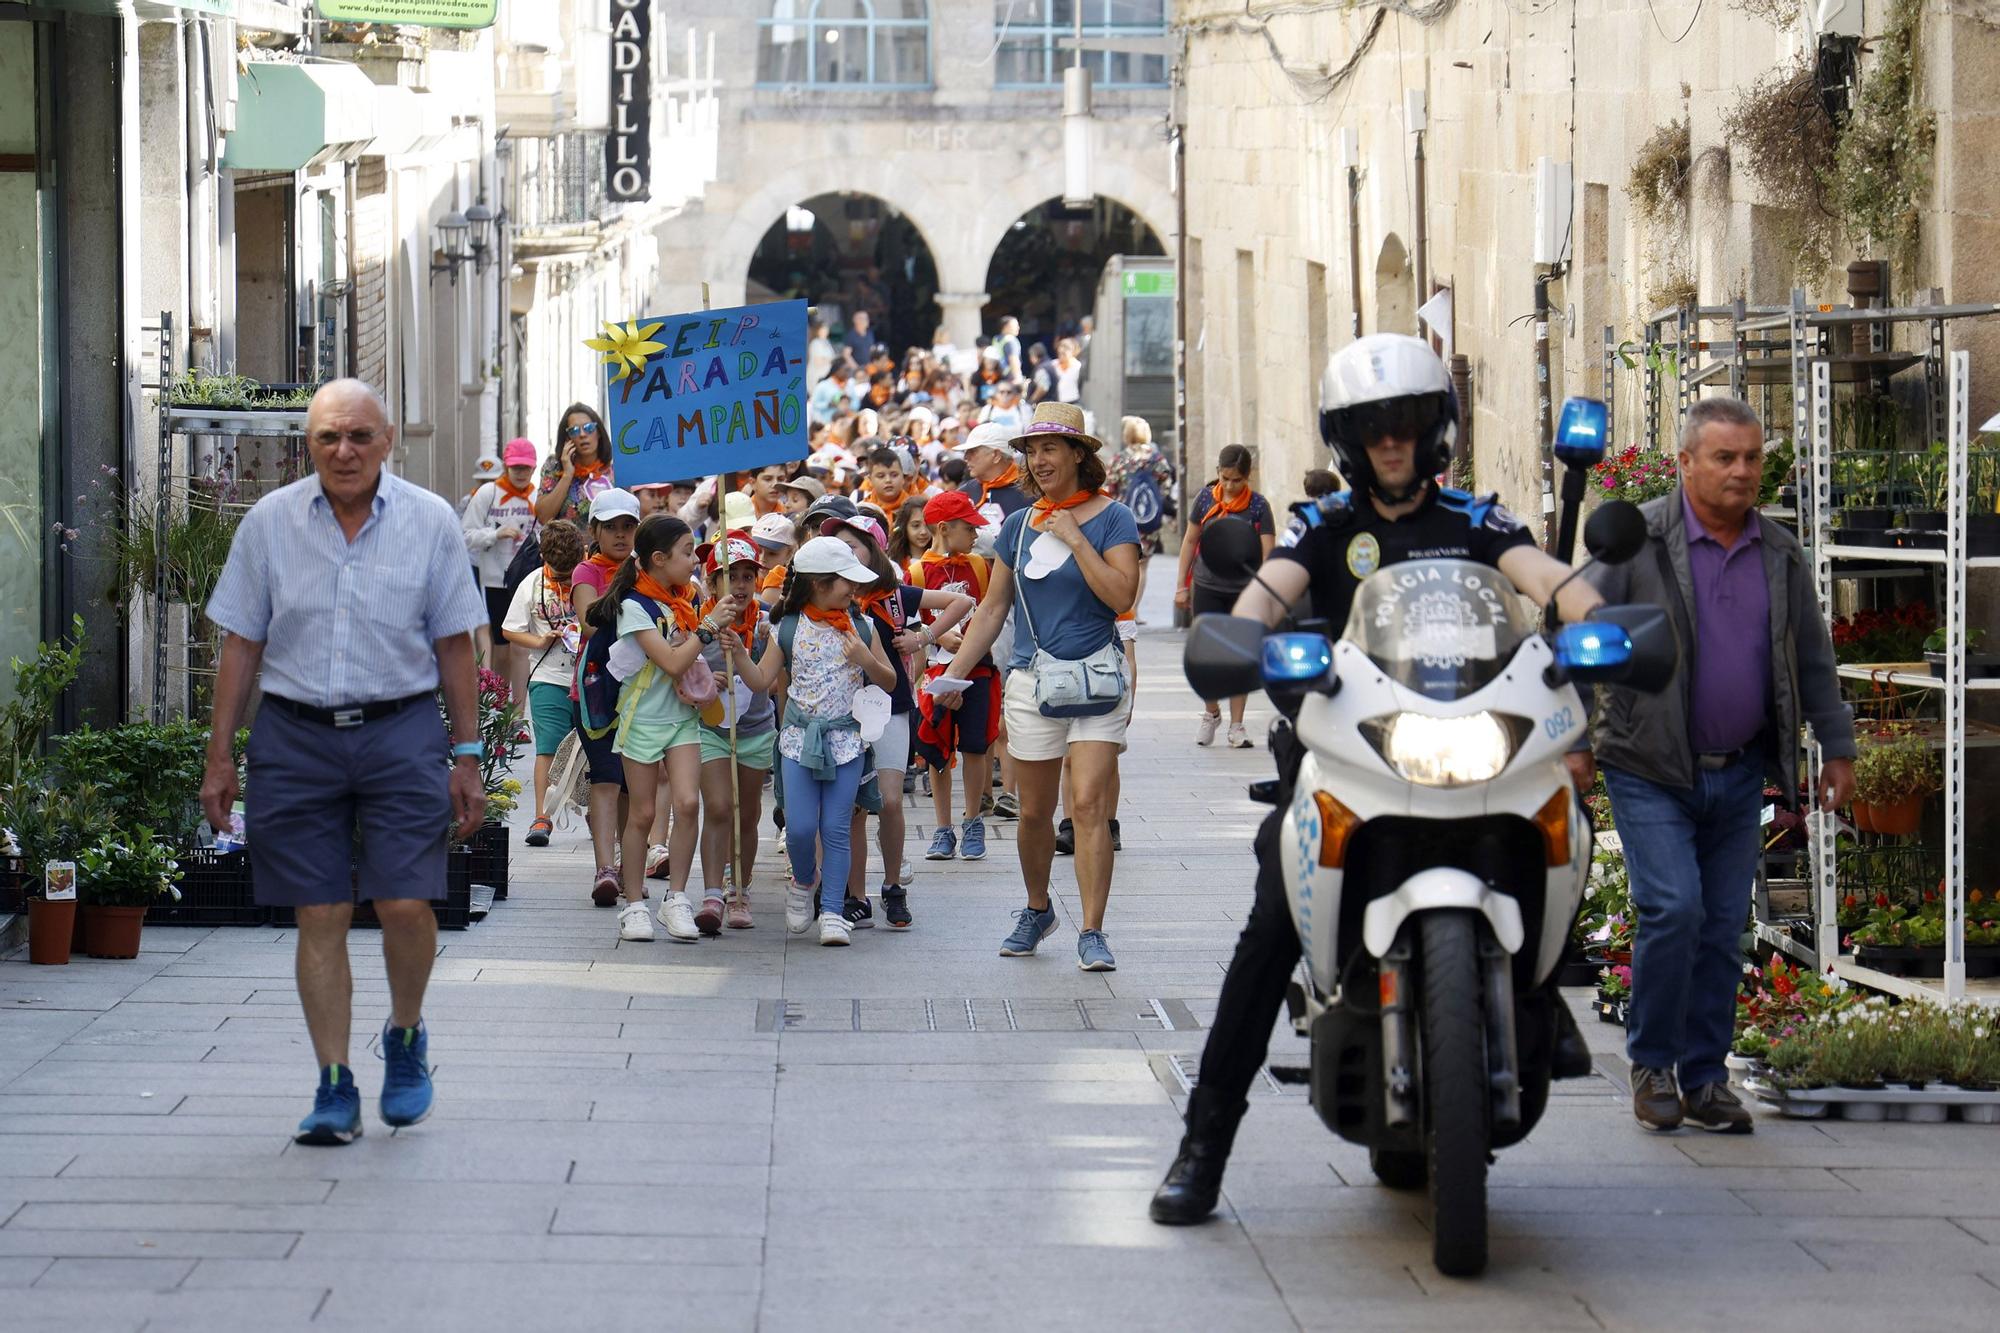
{"x":1434,"y":852}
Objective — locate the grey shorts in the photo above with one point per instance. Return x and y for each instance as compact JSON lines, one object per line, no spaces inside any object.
{"x":336,"y":815}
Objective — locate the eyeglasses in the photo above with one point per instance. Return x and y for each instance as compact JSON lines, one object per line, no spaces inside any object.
{"x":1393,"y":418}
{"x":330,"y":439}
{"x":587,"y":428}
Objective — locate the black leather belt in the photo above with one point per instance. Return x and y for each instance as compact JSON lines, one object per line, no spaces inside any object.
{"x":1715,"y":760}
{"x":353,"y":715}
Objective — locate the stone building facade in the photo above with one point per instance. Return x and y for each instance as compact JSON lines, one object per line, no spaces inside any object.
{"x":1282,"y":99}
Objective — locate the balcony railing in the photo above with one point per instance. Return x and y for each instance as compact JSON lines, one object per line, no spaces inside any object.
{"x":556,"y":181}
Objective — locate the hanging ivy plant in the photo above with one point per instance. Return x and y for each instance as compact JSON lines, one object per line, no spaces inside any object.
{"x":1658,"y":186}
{"x":1786,"y":141}
{"x":1882,"y":168}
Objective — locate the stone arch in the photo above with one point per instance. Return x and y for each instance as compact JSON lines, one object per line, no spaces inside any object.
{"x":1116,"y":180}
{"x":752,"y":215}
{"x":1395,"y":288}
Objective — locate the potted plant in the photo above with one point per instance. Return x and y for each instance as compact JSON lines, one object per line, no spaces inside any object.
{"x":1863,"y":521}
{"x":1892,"y":775}
{"x":45,"y":826}
{"x":1924,"y":522}
{"x":121,"y":875}
{"x":1982,"y":506}
{"x":1978,"y":665}
{"x":1893,"y":636}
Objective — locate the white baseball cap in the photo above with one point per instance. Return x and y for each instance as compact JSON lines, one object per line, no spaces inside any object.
{"x":774,"y":530}
{"x":613,"y":503}
{"x":989,"y":435}
{"x":831,"y":555}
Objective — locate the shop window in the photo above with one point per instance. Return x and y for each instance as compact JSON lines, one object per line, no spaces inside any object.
{"x":1029,"y":33}
{"x":882,"y":44}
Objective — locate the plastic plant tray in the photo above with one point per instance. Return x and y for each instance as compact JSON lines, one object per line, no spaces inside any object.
{"x":1928,"y":1105}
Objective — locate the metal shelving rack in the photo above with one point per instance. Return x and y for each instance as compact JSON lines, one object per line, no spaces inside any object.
{"x":189,"y":422}
{"x":1815,"y":401}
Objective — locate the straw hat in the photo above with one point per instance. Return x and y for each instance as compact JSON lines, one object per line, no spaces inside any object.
{"x":1060,"y":419}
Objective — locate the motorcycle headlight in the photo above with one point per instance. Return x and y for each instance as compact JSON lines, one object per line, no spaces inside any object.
{"x":1444,"y":751}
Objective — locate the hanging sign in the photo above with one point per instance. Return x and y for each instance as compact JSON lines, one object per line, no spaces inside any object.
{"x":628,"y":151}
{"x":418,"y":13}
{"x":711,"y":391}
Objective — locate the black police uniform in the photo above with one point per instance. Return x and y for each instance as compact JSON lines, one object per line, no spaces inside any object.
{"x":1341,"y":542}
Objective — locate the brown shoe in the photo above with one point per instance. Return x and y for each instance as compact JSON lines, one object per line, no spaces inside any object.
{"x":1655,"y":1100}
{"x":1714,"y":1107}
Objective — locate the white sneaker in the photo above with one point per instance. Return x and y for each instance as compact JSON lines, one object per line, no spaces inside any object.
{"x":678,"y":917}
{"x":799,"y":906}
{"x":1239,"y":738}
{"x":656,"y":861}
{"x":635,"y":923}
{"x":1205,"y":733}
{"x":834,"y":931}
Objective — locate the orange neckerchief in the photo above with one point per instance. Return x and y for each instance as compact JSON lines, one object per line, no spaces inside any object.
{"x":882,"y":603}
{"x":1221,"y":507}
{"x":1011,"y":477}
{"x":745,"y":625}
{"x":763,"y":507}
{"x":947,"y":569}
{"x":872,"y":496}
{"x":774,"y":577}
{"x":591,"y":471}
{"x":604,"y":562}
{"x":1046,"y":508}
{"x":679,"y":600}
{"x":831,"y":619}
{"x":509,"y":491}
{"x":553,"y":581}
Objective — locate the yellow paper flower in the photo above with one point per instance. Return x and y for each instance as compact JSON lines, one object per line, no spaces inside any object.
{"x":626,"y":347}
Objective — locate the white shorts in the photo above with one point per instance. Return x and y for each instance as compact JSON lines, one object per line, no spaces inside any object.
{"x":892,"y":751}
{"x":1033,"y":738}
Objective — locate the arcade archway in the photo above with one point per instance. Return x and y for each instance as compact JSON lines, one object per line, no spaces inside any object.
{"x":847,"y":252}
{"x":1045,"y":269}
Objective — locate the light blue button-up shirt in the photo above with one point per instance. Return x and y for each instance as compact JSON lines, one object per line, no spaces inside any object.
{"x":343,"y":622}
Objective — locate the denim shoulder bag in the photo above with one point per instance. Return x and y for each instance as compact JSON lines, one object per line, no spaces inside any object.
{"x":1090,"y":687}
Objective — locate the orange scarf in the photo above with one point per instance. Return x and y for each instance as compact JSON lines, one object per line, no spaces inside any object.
{"x":679,"y":600}
{"x":1046,"y":508}
{"x":745,"y":625}
{"x":599,"y":560}
{"x":869,"y":495}
{"x":774,"y":578}
{"x":763,"y":507}
{"x":554,"y":582}
{"x":1221,"y":507}
{"x":940,"y":570}
{"x":509,"y":491}
{"x":831,"y":619}
{"x":591,"y":471}
{"x":1011,"y":477}
{"x":882,"y":603}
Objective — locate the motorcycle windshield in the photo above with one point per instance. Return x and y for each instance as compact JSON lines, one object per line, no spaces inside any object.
{"x":1444,"y":628}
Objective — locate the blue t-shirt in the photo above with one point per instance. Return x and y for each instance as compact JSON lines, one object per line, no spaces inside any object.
{"x":1070,"y":621}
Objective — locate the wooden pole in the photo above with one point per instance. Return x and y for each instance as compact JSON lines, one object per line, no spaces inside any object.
{"x":736,"y":875}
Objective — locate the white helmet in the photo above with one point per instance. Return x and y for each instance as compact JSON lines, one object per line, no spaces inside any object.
{"x":1387,"y":384}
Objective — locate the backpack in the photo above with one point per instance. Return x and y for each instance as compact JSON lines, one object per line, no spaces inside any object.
{"x":527,"y":559}
{"x":596,"y":688}
{"x":1144,"y":498}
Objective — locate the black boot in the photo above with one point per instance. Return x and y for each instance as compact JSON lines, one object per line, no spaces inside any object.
{"x":1194,"y":1181}
{"x":1572,"y":1055}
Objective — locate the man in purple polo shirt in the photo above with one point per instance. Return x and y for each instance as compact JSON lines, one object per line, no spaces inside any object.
{"x":1685,"y":769}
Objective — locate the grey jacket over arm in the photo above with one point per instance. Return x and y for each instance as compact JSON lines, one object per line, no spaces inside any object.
{"x":1647,"y":734}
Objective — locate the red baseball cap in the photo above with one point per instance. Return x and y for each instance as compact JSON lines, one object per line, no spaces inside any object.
{"x":948,"y":505}
{"x":739,"y":550}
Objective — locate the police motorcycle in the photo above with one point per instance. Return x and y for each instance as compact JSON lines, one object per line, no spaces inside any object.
{"x":1434,"y":852}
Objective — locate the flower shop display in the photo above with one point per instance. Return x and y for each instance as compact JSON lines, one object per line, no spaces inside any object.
{"x":1634,"y":474}
{"x":1894,"y":771}
{"x":1872,"y":1058}
{"x":1979,"y":665}
{"x":1895,"y":635}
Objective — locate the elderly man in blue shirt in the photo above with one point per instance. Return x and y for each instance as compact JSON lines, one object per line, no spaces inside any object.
{"x":348,"y":588}
{"x":1686,"y":768}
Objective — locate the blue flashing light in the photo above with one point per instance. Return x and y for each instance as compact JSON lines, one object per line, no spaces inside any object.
{"x":1296,"y":659}
{"x":1580,"y":432}
{"x":1592,"y":648}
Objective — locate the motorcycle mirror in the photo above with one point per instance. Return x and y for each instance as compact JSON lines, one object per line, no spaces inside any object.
{"x":1231,"y":549}
{"x":1615,"y":533}
{"x":1224,"y":656}
{"x":1655,"y":652}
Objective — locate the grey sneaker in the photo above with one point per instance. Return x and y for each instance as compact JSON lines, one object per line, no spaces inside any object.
{"x":1031,"y":927}
{"x":1715,"y":1107}
{"x":1008,"y":806}
{"x":1656,"y":1102}
{"x":1093,"y":954}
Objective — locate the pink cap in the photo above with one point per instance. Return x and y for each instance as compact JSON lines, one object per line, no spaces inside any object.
{"x":519,"y":453}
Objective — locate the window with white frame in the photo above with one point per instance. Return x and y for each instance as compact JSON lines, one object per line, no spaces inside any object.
{"x":846,"y":44}
{"x":1030,"y":33}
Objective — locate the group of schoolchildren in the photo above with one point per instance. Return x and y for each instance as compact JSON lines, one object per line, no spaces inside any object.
{"x":782,"y":634}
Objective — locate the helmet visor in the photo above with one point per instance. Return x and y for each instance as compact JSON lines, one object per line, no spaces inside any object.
{"x":1407,"y":418}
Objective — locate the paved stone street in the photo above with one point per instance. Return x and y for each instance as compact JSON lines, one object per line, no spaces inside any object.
{"x":755,"y":1132}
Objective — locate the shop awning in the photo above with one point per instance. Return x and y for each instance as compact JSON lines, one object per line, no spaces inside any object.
{"x":407,"y":122}
{"x":281,"y":16}
{"x":290,"y":117}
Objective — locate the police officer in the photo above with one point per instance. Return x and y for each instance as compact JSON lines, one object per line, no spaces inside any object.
{"x":1387,"y":410}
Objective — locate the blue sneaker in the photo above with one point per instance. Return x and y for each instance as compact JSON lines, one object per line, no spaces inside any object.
{"x":1030,"y":928}
{"x":944,"y":846}
{"x":336,"y":1113}
{"x":1093,"y":954}
{"x":406,"y":1086}
{"x":973,"y":848}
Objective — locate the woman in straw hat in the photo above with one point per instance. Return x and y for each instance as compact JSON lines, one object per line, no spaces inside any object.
{"x":1070,"y":564}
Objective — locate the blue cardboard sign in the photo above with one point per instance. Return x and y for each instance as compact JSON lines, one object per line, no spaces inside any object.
{"x":706,"y":392}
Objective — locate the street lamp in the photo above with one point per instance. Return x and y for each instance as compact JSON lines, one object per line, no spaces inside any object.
{"x":480,"y":219}
{"x":453,"y":231}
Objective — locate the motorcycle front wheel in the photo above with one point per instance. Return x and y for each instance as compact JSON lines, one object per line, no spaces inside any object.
{"x":1456,"y":1094}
